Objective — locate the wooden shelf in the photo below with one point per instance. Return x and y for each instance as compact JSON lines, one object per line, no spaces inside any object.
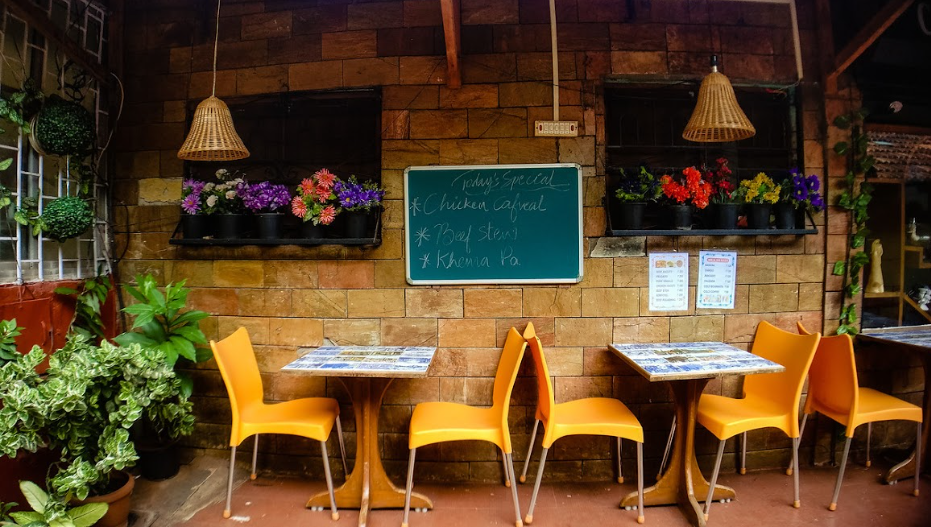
{"x":713,"y":232}
{"x":886,"y":294}
{"x":914,"y":257}
{"x":914,"y":304}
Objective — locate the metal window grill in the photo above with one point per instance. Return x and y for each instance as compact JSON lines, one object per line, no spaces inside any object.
{"x":24,"y":52}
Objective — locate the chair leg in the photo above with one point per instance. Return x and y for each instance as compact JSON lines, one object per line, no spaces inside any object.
{"x":672,"y":433}
{"x":255,"y":456}
{"x":801,"y":432}
{"x":795,"y":442}
{"x":410,"y":486}
{"x":714,"y":478}
{"x":229,"y":484}
{"x":507,"y":473}
{"x":869,"y":435}
{"x":640,"y":483}
{"x":533,"y":436}
{"x":840,"y":475}
{"x":620,"y":474}
{"x":342,"y":447}
{"x":329,"y":481}
{"x":528,"y":519}
{"x":509,"y":467}
{"x":743,"y":453}
{"x":918,"y":460}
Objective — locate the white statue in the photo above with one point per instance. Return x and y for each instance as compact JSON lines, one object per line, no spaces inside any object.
{"x":875,"y":284}
{"x":924,"y":297}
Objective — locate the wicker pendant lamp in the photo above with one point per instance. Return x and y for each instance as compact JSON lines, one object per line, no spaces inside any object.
{"x":717,"y":117}
{"x":212,"y":136}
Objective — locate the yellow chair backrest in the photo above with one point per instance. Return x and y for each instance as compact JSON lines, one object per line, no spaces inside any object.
{"x":508,"y":365}
{"x":794,"y":352}
{"x":832,"y":379}
{"x":545,"y":399}
{"x":236,"y":360}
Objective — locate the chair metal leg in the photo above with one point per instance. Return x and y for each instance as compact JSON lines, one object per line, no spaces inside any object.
{"x":528,"y":519}
{"x":672,"y":433}
{"x":509,"y":468}
{"x":743,"y":453}
{"x":840,"y":475}
{"x":869,"y":435}
{"x":507,"y":473}
{"x":795,"y":442}
{"x":410,"y":486}
{"x":714,"y":478}
{"x":918,"y":460}
{"x":640,"y":483}
{"x":533,"y":436}
{"x":801,"y":432}
{"x":329,"y":481}
{"x":255,"y":456}
{"x":342,"y":447}
{"x":229,"y":484}
{"x":620,"y":473}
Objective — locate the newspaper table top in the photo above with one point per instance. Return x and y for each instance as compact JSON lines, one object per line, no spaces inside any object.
{"x":674,"y":361}
{"x":364,"y":361}
{"x":919,"y":336}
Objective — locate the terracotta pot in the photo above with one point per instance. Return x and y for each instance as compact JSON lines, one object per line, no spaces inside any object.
{"x":118,"y":513}
{"x":25,"y":466}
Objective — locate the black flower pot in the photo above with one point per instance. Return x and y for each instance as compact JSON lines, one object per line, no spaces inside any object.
{"x":801,"y":218}
{"x":785,"y":215}
{"x":270,"y":225}
{"x":230,"y":226}
{"x":356,"y":223}
{"x":309,"y":231}
{"x":682,"y":217}
{"x":631,"y":214}
{"x":725,"y":216}
{"x":758,"y":215}
{"x":195,"y":226}
{"x":158,"y":462}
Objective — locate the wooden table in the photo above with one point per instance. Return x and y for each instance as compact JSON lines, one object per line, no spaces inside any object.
{"x":688,"y":367}
{"x":915,"y":339}
{"x":366,"y":371}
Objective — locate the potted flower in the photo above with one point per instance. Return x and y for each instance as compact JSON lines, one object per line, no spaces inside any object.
{"x":759,"y":193}
{"x":634,"y":193}
{"x":359,"y":200}
{"x":194,"y":219}
{"x":693,"y":190}
{"x":723,"y":195}
{"x":264,"y":199}
{"x":800,"y":195}
{"x":224,"y":202}
{"x":315,"y":203}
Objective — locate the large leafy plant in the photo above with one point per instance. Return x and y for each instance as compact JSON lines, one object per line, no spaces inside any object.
{"x":88,"y":301}
{"x":47,"y":512}
{"x":8,"y":333}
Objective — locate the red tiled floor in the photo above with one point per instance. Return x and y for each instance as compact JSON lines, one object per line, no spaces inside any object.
{"x":764,"y":500}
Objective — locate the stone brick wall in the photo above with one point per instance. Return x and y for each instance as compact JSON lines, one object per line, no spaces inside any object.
{"x":295,"y":296}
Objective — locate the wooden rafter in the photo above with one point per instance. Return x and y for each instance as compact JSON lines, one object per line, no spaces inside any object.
{"x":873,"y":29}
{"x":452,"y":31}
{"x":39,"y":20}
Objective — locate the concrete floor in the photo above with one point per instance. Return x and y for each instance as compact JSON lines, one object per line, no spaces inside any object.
{"x":194,"y":499}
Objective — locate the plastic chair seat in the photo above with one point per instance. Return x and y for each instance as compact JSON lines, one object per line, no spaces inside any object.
{"x":436,"y":422}
{"x":594,"y":416}
{"x":874,"y":406}
{"x":726,"y":417}
{"x":311,"y":417}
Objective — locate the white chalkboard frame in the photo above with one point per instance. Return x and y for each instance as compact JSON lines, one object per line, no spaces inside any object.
{"x":493,"y":281}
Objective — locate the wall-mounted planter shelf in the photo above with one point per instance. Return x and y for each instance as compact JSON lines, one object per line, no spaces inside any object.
{"x":714,"y":232}
{"x":216,"y":242}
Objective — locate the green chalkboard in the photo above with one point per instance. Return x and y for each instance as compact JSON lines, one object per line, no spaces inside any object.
{"x":497,"y":224}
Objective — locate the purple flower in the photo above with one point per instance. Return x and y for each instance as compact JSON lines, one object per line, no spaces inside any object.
{"x":353,"y":195}
{"x":191,"y":203}
{"x":264,"y":196}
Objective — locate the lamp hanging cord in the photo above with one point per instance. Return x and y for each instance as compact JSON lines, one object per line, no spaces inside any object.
{"x":216,"y":43}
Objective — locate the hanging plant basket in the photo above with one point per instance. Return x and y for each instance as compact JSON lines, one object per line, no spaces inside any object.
{"x":67,"y":217}
{"x":63,"y":128}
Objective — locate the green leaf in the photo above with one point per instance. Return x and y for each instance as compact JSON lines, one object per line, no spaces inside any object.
{"x":5,"y":164}
{"x":840,"y":148}
{"x":191,"y":333}
{"x":131,"y":337}
{"x":66,"y":291}
{"x":28,"y":518}
{"x":184,"y":347}
{"x":857,"y":241}
{"x":839,"y":268}
{"x":204,"y":354}
{"x":87,"y":515}
{"x":193,"y":315}
{"x":36,"y":497}
{"x":187,"y":385}
{"x":842,"y":122}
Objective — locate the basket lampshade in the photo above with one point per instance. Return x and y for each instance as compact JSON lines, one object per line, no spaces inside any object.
{"x":212,"y":136}
{"x":717,"y":117}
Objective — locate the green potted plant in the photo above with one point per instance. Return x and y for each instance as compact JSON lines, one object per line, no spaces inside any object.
{"x":690,"y":190}
{"x":759,"y":193}
{"x":47,"y":512}
{"x":63,"y":218}
{"x":63,"y":128}
{"x":634,"y":193}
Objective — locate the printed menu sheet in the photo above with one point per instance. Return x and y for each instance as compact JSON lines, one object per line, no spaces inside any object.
{"x":365,"y":359}
{"x":717,"y":278}
{"x":669,"y":281}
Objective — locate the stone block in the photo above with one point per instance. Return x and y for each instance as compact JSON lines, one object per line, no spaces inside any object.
{"x":693,"y":38}
{"x":352,"y":332}
{"x":376,"y":303}
{"x":256,"y":326}
{"x":603,"y":11}
{"x":469,"y":96}
{"x":346,"y":274}
{"x":583,"y":331}
{"x":410,"y":41}
{"x":756,"y":269}
{"x":610,"y":302}
{"x":325,"y":18}
{"x":631,"y":272}
{"x":751,"y":40}
{"x":750,"y":67}
{"x":811,"y":320}
{"x":267,"y":79}
{"x":349,"y":45}
{"x":304,"y":48}
{"x":198,"y":273}
{"x":422,"y":70}
{"x":800,"y":268}
{"x":397,"y":124}
{"x":597,"y":272}
{"x":295,"y":332}
{"x":179,"y":60}
{"x":389,"y":274}
{"x":140,"y":165}
{"x":579,"y":150}
{"x":258,"y":26}
{"x":810,"y":297}
{"x":201,"y":84}
{"x":769,"y":298}
{"x":638,"y":62}
{"x":371,"y":72}
{"x":439,"y":124}
{"x":696,"y":329}
{"x":410,"y":97}
{"x":231,"y":55}
{"x":572,"y":388}
{"x":446,"y":303}
{"x":316,"y":75}
{"x":473,"y":12}
{"x":402,"y":154}
{"x":521,"y":39}
{"x":593,"y":221}
{"x":583,"y":37}
{"x":637,"y":37}
{"x":409,"y":331}
{"x":489,"y":68}
{"x":469,"y":152}
{"x":472,"y":333}
{"x":490,"y":123}
{"x":565,"y":361}
{"x":413,"y":391}
{"x":319,"y":303}
{"x":521,"y":94}
{"x":552,"y":302}
{"x":291,"y":273}
{"x":265,"y":302}
{"x":527,"y":150}
{"x":239,"y":273}
{"x":422,"y":13}
{"x":780,"y":245}
{"x":375,"y":15}
{"x":214,"y":301}
{"x":640,"y":330}
{"x":480,"y":303}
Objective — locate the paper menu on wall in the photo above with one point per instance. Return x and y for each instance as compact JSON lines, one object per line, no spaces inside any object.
{"x":717,"y":276}
{"x":669,"y":281}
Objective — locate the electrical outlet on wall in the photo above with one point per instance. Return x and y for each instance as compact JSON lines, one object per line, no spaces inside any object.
{"x":556,"y":128}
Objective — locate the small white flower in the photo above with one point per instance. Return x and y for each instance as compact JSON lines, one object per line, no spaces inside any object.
{"x":230,"y":194}
{"x":222,"y":173}
{"x":211,"y":201}
{"x":209,"y":186}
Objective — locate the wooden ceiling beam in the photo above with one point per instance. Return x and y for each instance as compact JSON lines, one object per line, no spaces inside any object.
{"x":452,"y":31}
{"x":864,"y":38}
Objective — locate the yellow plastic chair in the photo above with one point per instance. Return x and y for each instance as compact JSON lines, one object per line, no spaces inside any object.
{"x":310,"y":417}
{"x":833,"y":391}
{"x":770,"y":399}
{"x":437,"y":422}
{"x":592,"y":416}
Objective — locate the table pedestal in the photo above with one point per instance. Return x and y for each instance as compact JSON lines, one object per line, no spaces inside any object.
{"x":906,"y":469}
{"x":368,"y":487}
{"x":683,"y":479}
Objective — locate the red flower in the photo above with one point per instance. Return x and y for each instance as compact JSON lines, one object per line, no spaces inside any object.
{"x":695,"y":189}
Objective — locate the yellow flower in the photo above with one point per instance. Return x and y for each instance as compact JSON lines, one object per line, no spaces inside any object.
{"x":752,"y":194}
